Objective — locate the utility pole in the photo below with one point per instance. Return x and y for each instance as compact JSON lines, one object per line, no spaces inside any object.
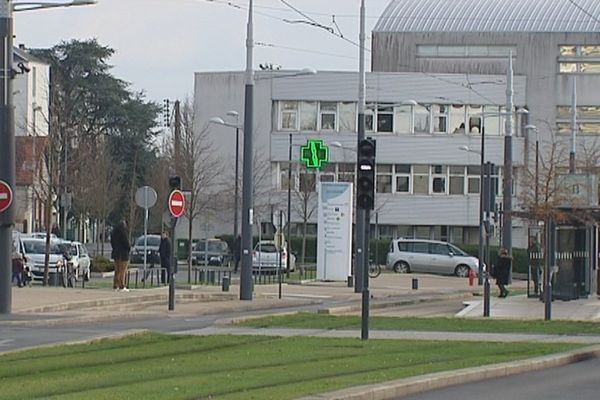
{"x":361,"y":253}
{"x":573,"y":126}
{"x":508,"y":182}
{"x":7,"y":152}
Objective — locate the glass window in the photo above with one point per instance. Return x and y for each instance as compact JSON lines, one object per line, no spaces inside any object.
{"x":457,"y":119}
{"x":421,"y":179}
{"x":456,"y":234}
{"x":491,"y":120}
{"x":347,"y":116}
{"x":440,"y":118}
{"x":474,"y":119}
{"x":289,"y":115}
{"x":404,"y":231}
{"x":439,"y":179}
{"x":589,"y":67}
{"x":457,"y":180}
{"x":421,"y":119}
{"x":384,"y":178}
{"x":308,"y":115}
{"x":422,"y":232}
{"x":369,"y":117}
{"x":402,"y":123}
{"x":452,"y":51}
{"x":567,"y":67}
{"x":588,"y":51}
{"x":402,"y":178}
{"x":438,"y":248}
{"x":283,"y":173}
{"x":385,"y":118}
{"x":568,"y":50}
{"x":421,"y":247}
{"x":328,"y":115}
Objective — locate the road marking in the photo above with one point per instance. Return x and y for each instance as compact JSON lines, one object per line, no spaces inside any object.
{"x":5,"y":342}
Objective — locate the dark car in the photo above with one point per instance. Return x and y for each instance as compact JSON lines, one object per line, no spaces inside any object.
{"x":218,"y":252}
{"x":137,"y":251}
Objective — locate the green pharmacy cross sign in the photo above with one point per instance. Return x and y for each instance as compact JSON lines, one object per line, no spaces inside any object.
{"x":314,"y":154}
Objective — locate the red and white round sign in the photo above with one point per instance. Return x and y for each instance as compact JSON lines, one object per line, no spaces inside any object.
{"x":6,"y":196}
{"x":176,"y":203}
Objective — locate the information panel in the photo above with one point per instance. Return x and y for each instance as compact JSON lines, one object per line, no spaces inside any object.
{"x":334,"y":241}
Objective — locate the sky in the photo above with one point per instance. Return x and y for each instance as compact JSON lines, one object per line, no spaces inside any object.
{"x":159,"y":44}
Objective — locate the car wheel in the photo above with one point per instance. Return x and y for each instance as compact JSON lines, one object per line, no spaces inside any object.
{"x":402,"y":267}
{"x":462,"y":271}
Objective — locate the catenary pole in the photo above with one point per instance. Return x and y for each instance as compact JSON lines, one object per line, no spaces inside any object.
{"x":507,"y":182}
{"x":359,"y":229}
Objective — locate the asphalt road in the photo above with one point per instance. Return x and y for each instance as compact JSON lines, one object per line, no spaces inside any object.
{"x":579,"y":381}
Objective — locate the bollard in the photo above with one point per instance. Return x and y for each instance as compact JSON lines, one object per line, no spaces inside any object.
{"x":350,"y":281}
{"x":225,"y":284}
{"x":415,"y":283}
{"x":472,"y":277}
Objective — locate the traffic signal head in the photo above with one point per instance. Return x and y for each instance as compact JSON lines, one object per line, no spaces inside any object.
{"x":175,"y":182}
{"x":365,"y":189}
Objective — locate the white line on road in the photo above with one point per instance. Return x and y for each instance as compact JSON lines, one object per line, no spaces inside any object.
{"x":5,"y":342}
{"x":308,"y":296}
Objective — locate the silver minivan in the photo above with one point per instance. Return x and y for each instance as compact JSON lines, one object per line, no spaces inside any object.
{"x":433,"y":256}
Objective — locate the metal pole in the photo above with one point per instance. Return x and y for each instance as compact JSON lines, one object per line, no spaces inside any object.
{"x":279,"y":251}
{"x":236,"y":195}
{"x":172,"y":267}
{"x":289,"y":204}
{"x":360,"y":214}
{"x":247,"y":211}
{"x":365,"y":286}
{"x":550,"y":261}
{"x":537,"y":168}
{"x":7,"y":152}
{"x":486,"y":285}
{"x":64,"y":197}
{"x":481,"y":195}
{"x":507,"y":183}
{"x":573,"y":126}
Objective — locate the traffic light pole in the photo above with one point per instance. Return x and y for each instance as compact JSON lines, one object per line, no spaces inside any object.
{"x":360,"y":214}
{"x":364,"y":334}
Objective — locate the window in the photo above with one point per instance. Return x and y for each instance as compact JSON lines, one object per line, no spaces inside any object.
{"x":308,"y":115}
{"x":457,"y":119}
{"x":328,"y":115}
{"x":421,"y":119}
{"x":347,"y":116}
{"x":402,"y":172}
{"x":438,"y":248}
{"x":289,"y":115}
{"x":346,"y":172}
{"x":468,"y":51}
{"x":457,"y":180}
{"x":440,"y":118}
{"x":308,"y":182}
{"x":384,"y":178}
{"x":492,"y":120}
{"x":385,"y":118}
{"x":474,"y":119}
{"x":579,"y":59}
{"x":370,"y":117}
{"x":421,"y":179}
{"x":327,"y":173}
{"x":403,"y":123}
{"x":473,"y":178}
{"x":421,"y":247}
{"x":283,"y":177}
{"x":439,"y":179}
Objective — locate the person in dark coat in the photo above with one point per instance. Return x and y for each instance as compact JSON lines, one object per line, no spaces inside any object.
{"x":119,"y":241}
{"x":502,"y":271}
{"x":535,"y":264}
{"x":164,"y":250}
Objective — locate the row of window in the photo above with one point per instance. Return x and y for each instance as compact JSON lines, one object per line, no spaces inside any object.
{"x":466,"y":51}
{"x":392,"y":178}
{"x":391,"y":118}
{"x":579,"y":59}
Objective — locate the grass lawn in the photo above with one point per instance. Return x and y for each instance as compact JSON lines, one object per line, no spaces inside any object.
{"x":156,"y":366}
{"x":439,"y":324}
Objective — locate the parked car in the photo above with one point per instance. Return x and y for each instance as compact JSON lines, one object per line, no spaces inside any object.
{"x":415,"y":255}
{"x":35,"y":251}
{"x":137,"y":251}
{"x":265,"y":257}
{"x":218,"y":252}
{"x":79,"y":258}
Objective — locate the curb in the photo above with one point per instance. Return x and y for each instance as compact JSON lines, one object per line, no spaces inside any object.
{"x":408,"y":386}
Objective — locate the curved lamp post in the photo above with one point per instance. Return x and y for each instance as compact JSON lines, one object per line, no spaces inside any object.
{"x":7,"y":133}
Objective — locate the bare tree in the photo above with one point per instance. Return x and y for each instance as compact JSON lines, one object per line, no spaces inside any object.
{"x":305,"y":206}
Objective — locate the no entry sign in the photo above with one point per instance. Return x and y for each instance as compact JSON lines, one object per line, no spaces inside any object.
{"x":6,"y":196}
{"x":176,"y":203}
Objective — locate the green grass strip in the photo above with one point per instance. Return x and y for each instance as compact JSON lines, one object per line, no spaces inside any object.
{"x":437,"y":324}
{"x":155,"y":366}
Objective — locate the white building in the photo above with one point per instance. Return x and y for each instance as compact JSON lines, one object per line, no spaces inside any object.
{"x":426,"y":186}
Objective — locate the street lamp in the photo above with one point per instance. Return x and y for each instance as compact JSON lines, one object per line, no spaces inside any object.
{"x":7,"y":134}
{"x":219,"y":121}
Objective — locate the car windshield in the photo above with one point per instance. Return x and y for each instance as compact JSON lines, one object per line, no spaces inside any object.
{"x":39,"y":247}
{"x":266,"y":248}
{"x":152,"y":241}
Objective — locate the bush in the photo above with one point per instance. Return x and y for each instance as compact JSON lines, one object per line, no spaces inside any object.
{"x":520,"y":256}
{"x":102,"y":264}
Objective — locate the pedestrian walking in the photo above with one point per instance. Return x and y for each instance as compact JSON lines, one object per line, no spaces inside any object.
{"x":17,"y":269}
{"x":535,"y":265}
{"x":120,"y":253}
{"x":164,"y":250}
{"x":502,"y":271}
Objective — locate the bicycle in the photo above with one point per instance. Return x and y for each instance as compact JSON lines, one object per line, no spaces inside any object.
{"x":374,"y":270}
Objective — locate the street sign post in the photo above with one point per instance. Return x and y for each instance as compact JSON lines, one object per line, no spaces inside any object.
{"x":145,"y":197}
{"x":6,"y":196}
{"x":176,"y":203}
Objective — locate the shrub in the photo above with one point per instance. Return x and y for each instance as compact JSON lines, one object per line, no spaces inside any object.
{"x":102,"y":264}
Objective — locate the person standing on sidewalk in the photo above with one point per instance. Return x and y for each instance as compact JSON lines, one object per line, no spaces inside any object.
{"x":502,"y":271}
{"x":17,"y":269}
{"x":120,"y":253}
{"x":164,"y":250}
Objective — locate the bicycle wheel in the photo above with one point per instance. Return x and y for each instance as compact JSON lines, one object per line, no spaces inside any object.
{"x":374,"y":271}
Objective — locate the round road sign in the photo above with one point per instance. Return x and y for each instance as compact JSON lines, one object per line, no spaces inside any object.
{"x":6,"y":196}
{"x":176,"y":203}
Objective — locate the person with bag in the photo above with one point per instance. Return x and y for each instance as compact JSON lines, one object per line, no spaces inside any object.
{"x":501,"y":271}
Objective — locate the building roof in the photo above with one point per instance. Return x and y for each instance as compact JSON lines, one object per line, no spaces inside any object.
{"x":490,"y":16}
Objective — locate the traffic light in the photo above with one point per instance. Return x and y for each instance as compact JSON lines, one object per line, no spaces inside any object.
{"x":365,"y":190}
{"x":175,"y":182}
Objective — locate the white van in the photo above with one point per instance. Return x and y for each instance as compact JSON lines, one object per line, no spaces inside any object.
{"x":433,"y":256}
